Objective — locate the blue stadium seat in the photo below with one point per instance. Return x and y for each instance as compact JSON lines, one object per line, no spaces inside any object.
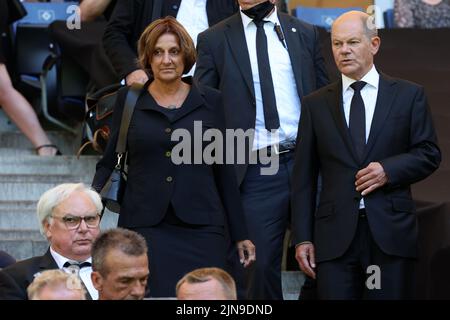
{"x":45,"y":13}
{"x":322,"y":17}
{"x":389,"y":21}
{"x":33,"y":46}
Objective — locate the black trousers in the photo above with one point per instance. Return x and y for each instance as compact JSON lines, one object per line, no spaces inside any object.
{"x":266,"y":206}
{"x":366,"y":272}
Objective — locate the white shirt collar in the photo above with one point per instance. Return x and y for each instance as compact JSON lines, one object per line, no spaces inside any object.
{"x":372,"y":78}
{"x":61,"y":260}
{"x":273,"y":17}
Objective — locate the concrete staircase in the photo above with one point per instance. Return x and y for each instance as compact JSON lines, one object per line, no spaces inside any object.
{"x":24,"y":177}
{"x":292,"y":282}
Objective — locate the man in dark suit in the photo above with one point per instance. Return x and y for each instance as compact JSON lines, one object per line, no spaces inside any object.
{"x":69,"y":216}
{"x":263,"y":61}
{"x":370,"y":137}
{"x":130,"y":18}
{"x":6,"y":259}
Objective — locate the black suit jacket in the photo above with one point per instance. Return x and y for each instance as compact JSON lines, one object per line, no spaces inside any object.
{"x":130,"y":18}
{"x":201,"y":194}
{"x":402,"y":139}
{"x":224,"y":63}
{"x":15,"y":279}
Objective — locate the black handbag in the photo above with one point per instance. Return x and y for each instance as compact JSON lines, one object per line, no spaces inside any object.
{"x":100,"y":107}
{"x":16,"y":11}
{"x":114,"y":189}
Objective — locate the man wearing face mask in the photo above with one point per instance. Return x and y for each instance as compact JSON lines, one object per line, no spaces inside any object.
{"x":264,"y":62}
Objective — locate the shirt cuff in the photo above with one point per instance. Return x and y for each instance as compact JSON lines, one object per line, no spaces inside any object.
{"x":304,"y":242}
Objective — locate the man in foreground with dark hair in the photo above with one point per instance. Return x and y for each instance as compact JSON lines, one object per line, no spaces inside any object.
{"x":120,"y":265}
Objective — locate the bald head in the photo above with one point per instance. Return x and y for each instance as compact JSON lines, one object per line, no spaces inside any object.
{"x":354,"y":42}
{"x":352,"y":18}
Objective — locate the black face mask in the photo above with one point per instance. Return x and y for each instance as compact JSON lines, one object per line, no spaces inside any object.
{"x":260,"y":11}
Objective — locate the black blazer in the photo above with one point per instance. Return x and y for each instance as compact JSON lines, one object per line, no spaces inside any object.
{"x":224,"y":63}
{"x":15,"y":279}
{"x":402,"y":138}
{"x":200,"y":194}
{"x":130,"y":18}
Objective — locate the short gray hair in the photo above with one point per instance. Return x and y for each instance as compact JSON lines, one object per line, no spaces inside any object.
{"x":53,"y":197}
{"x":202,"y":275}
{"x":55,"y":279}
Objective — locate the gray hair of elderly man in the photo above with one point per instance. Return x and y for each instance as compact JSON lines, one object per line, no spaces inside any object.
{"x":202,"y":275}
{"x":53,"y":197}
{"x":63,"y":286}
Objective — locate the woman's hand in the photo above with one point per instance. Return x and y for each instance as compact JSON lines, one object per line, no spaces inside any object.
{"x":247,"y":252}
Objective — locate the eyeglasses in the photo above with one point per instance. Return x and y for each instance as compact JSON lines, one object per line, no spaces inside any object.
{"x":73,"y":222}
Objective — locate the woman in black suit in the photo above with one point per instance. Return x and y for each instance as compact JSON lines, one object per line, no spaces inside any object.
{"x":181,"y":210}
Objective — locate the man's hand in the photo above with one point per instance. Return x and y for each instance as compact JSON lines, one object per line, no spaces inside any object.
{"x":370,"y":178}
{"x":247,"y":252}
{"x":137,"y":76}
{"x":306,"y":259}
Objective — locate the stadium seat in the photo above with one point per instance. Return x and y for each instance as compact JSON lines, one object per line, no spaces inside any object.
{"x":33,"y":47}
{"x":389,"y":21}
{"x":322,"y":17}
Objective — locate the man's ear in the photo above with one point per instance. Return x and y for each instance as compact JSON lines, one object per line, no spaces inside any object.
{"x":46,"y":227}
{"x":375,"y":44}
{"x":97,"y":280}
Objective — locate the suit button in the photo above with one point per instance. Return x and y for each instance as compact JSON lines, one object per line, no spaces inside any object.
{"x":175,"y":7}
{"x":169,"y":179}
{"x":168,"y":130}
{"x":168,"y":154}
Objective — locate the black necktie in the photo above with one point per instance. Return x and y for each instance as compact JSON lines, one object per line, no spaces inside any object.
{"x":357,"y":122}
{"x":78,"y":265}
{"x":265,"y":78}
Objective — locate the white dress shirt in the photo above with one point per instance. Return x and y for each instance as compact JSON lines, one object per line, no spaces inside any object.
{"x":369,"y":95}
{"x":192,"y":15}
{"x":84,"y":274}
{"x":286,"y":95}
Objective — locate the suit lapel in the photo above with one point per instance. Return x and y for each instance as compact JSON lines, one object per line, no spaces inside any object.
{"x":193,"y":101}
{"x":386,"y":96}
{"x":47,"y":261}
{"x":292,"y":36}
{"x":238,"y":45}
{"x":334,"y":99}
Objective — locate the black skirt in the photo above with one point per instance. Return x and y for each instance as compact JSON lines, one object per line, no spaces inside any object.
{"x":175,"y":249}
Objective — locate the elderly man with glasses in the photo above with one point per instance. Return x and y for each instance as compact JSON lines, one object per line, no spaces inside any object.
{"x":69,"y":217}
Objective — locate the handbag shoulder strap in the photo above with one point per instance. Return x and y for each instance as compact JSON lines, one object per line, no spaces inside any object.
{"x":130,"y":103}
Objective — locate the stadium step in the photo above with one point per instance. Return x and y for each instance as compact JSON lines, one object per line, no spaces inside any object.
{"x":66,"y":142}
{"x":24,"y":177}
{"x":292,"y":282}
